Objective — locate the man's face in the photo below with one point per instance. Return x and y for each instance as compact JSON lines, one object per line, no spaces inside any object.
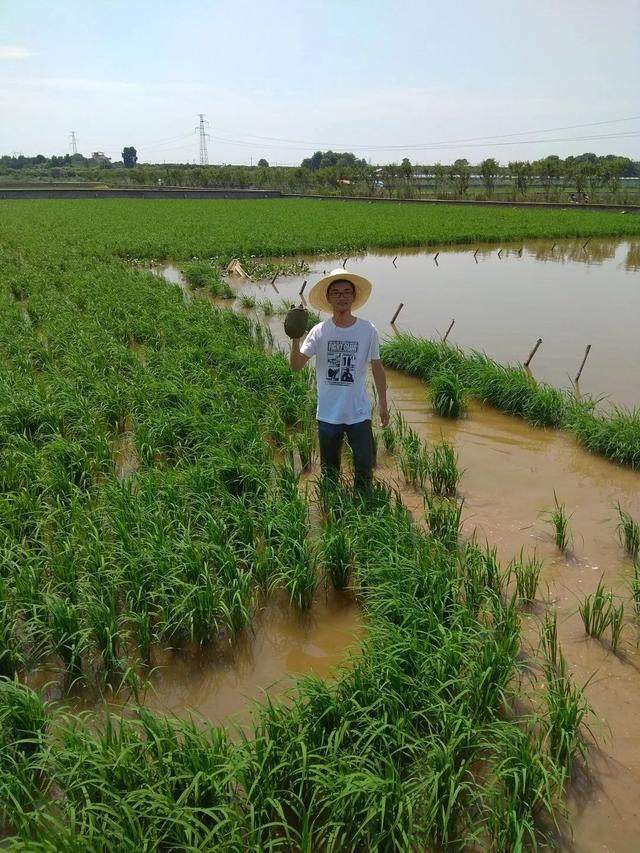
{"x":341,"y":294}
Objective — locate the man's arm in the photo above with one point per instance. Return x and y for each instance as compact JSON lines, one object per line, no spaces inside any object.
{"x":297,"y":360}
{"x":380,"y":381}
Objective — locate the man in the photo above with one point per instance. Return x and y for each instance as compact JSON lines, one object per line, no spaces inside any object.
{"x":343,"y":346}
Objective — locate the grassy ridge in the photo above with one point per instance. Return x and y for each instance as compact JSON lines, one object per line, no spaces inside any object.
{"x":184,"y":229}
{"x":512,"y":389}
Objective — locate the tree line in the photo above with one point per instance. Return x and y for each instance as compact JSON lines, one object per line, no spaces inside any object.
{"x":344,"y":173}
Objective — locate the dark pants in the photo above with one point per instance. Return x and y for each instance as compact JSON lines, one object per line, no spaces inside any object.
{"x":360,"y":440}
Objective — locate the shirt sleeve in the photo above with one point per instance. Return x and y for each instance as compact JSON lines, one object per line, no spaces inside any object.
{"x":374,"y":346}
{"x":309,"y":346}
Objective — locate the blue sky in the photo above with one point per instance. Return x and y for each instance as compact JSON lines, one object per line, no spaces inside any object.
{"x":280,"y":79}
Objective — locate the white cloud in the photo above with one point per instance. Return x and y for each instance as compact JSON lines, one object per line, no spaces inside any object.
{"x":14,"y":51}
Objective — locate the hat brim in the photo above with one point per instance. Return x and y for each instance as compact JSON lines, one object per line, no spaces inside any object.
{"x":318,"y":294}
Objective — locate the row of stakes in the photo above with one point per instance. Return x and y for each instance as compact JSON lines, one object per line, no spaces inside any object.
{"x":537,"y":345}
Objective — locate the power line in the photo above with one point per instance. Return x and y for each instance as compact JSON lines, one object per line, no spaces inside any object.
{"x":422,"y":145}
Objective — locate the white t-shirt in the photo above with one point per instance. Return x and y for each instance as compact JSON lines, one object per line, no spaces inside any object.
{"x":342,"y":356}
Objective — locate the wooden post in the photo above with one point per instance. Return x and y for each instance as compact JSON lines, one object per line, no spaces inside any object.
{"x":584,"y":246}
{"x":553,"y":247}
{"x":519,"y":253}
{"x":400,"y":307}
{"x":476,"y":252}
{"x":304,"y":284}
{"x":394,"y":260}
{"x":344,"y":263}
{"x":500,"y":253}
{"x":448,"y":330}
{"x":275,"y":276}
{"x":586,"y":353}
{"x":435,"y":257}
{"x":533,"y":352}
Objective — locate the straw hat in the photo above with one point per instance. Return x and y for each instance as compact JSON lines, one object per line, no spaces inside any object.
{"x":318,"y":293}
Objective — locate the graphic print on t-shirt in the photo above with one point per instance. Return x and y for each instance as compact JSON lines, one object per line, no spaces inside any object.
{"x":341,"y":362}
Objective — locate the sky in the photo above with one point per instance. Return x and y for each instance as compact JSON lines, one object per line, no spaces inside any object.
{"x":280,"y":79}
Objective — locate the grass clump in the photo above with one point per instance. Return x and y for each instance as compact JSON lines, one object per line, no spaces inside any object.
{"x":598,"y":612}
{"x":614,"y":434}
{"x":200,"y":274}
{"x":448,"y":395}
{"x":559,"y":520}
{"x":629,"y":532}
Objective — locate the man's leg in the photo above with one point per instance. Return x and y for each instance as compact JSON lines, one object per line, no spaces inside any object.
{"x":330,"y":441}
{"x":360,"y":438}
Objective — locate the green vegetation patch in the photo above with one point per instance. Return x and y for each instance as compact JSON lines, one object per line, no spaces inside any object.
{"x":513,"y":389}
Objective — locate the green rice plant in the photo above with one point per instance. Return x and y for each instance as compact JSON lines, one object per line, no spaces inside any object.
{"x":284,"y":306}
{"x":614,"y":433}
{"x":266,"y":306}
{"x":559,"y":519}
{"x":448,"y":395}
{"x":306,"y":443}
{"x":66,"y":633}
{"x":598,"y":613}
{"x":313,"y":318}
{"x":549,"y":640}
{"x":443,"y":517}
{"x":565,"y":721}
{"x":248,"y":300}
{"x":23,"y":717}
{"x":629,"y":532}
{"x":102,"y":610}
{"x":527,"y":787}
{"x":389,"y":438}
{"x":442,"y":467}
{"x":595,"y":611}
{"x":336,"y":554}
{"x":11,"y":658}
{"x":527,"y":574}
{"x":414,"y":458}
{"x":635,"y":586}
{"x":617,"y":624}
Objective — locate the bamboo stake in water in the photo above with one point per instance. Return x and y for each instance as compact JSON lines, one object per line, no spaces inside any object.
{"x":584,"y":246}
{"x":344,"y":263}
{"x":400,"y":307}
{"x":394,"y":260}
{"x":304,"y":284}
{"x":533,"y":352}
{"x":275,"y":276}
{"x":435,"y":257}
{"x":586,"y":353}
{"x":448,"y":330}
{"x":500,"y":253}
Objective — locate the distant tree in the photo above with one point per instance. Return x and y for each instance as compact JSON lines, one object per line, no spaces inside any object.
{"x":521,"y":175}
{"x":263,"y":163}
{"x":129,"y":157}
{"x":460,"y":174}
{"x":489,"y":169}
{"x":441,"y":180}
{"x":549,"y":172}
{"x":406,"y":169}
{"x":612,"y":169}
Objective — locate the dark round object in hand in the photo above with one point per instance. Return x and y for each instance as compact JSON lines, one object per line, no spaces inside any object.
{"x":295,"y":322}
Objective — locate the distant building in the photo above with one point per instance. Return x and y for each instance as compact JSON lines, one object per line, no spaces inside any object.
{"x":100,"y":157}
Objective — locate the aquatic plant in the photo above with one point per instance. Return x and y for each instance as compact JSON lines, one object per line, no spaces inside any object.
{"x":629,"y":532}
{"x":447,"y":395}
{"x":559,"y":520}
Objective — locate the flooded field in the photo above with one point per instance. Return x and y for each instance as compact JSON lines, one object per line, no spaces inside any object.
{"x":510,"y":474}
{"x":504,"y":298}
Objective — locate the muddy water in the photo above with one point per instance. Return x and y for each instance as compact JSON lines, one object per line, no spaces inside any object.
{"x":220,"y":684}
{"x":567,"y":295}
{"x":511,"y":472}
